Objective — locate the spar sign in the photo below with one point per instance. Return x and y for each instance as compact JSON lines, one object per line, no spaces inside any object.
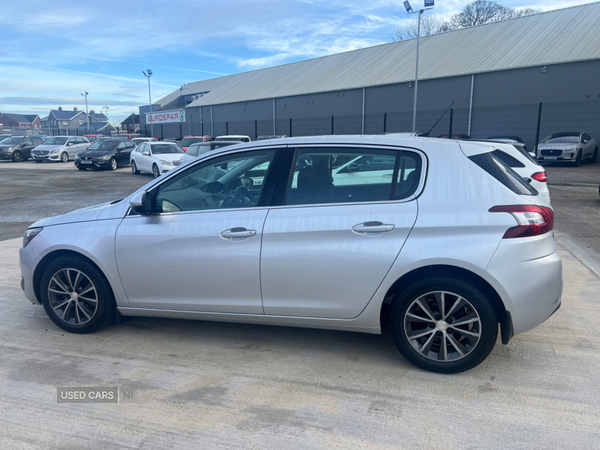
{"x":166,"y":116}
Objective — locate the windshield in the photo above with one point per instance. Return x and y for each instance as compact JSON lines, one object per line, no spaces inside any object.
{"x":56,"y":141}
{"x":186,"y":142}
{"x":12,"y":141}
{"x":561,"y":138}
{"x":121,"y":138}
{"x":160,"y":149}
{"x":104,"y":145}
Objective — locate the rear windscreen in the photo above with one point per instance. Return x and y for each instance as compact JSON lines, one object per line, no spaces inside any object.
{"x":503,"y":173}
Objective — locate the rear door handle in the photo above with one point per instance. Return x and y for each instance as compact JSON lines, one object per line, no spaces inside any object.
{"x":237,"y":234}
{"x":372,"y":228}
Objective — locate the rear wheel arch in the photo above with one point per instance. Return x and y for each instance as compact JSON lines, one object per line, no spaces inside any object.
{"x":52,"y":256}
{"x":453,"y":271}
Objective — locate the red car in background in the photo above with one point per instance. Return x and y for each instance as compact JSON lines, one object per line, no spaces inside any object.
{"x":189,"y":140}
{"x":93,"y":137}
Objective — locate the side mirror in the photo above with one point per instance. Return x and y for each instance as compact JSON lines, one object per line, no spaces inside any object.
{"x":585,"y":141}
{"x":140,"y":203}
{"x":146,"y":153}
{"x":353,"y":167}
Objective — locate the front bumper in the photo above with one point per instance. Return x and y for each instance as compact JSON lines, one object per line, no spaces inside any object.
{"x":49,"y":157}
{"x":28,"y":261}
{"x":6,"y":155}
{"x":557,"y":155}
{"x":94,"y":163}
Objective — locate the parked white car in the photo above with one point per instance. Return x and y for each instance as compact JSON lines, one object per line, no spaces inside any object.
{"x":233,"y":137}
{"x":518,"y":159}
{"x":60,"y":148}
{"x":570,"y":146}
{"x":155,"y":157}
{"x":453,"y":244}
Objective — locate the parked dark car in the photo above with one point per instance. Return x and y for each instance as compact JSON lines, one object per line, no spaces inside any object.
{"x":110,"y":154}
{"x":18,"y":148}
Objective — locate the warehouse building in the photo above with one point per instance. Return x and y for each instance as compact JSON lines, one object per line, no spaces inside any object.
{"x":526,"y":76}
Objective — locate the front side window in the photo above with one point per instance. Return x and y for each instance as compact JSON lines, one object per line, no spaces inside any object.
{"x":193,"y":150}
{"x":230,"y":181}
{"x":348,"y":175}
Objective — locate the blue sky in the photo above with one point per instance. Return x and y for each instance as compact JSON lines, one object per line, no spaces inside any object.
{"x":51,"y":51}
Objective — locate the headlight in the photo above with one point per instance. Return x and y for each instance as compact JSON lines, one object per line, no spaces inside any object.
{"x":56,"y":150}
{"x":105,"y":157}
{"x":165,"y":163}
{"x":30,"y":234}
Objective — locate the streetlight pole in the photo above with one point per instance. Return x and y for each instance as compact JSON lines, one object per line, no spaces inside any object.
{"x":86,"y":109}
{"x":429,"y":4}
{"x":148,"y":75}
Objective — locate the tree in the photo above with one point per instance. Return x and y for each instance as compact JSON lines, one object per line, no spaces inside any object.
{"x":430,"y":24}
{"x":484,"y":11}
{"x":478,"y":12}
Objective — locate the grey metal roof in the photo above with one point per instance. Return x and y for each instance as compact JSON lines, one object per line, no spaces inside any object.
{"x":554,"y":37}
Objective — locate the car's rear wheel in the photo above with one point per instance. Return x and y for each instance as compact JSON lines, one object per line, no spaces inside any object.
{"x":113,"y":164}
{"x":444,"y":324}
{"x":17,"y":156}
{"x":134,"y":168}
{"x":64,"y":157}
{"x":76,"y":296}
{"x":155,"y":171}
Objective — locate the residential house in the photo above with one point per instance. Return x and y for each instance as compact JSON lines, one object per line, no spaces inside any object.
{"x":131,"y":124}
{"x":20,"y":120}
{"x":60,"y":119}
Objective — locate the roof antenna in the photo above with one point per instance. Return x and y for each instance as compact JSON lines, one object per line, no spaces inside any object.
{"x":438,"y":121}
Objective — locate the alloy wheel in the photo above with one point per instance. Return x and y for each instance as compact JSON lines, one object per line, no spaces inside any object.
{"x":73,"y":296}
{"x":113,"y":164}
{"x":64,"y":157}
{"x":155,"y":171}
{"x":17,"y":156}
{"x":442,"y":326}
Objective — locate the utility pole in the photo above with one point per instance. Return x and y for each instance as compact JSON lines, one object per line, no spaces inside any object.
{"x":148,"y":75}
{"x":86,"y":109}
{"x":429,"y":4}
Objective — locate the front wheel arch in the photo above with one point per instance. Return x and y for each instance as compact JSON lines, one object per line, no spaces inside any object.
{"x":458,"y":272}
{"x":47,"y":260}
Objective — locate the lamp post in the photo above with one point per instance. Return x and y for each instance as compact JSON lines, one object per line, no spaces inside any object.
{"x":148,"y":75}
{"x":86,"y":109}
{"x":428,"y":4}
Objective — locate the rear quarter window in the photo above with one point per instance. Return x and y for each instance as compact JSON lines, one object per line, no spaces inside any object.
{"x":499,"y":170}
{"x":509,"y":160}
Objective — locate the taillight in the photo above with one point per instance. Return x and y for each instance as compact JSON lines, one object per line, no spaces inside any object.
{"x":540,"y":176}
{"x":533,"y":220}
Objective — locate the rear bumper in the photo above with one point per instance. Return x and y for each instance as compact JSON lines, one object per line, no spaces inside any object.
{"x":530,"y":285}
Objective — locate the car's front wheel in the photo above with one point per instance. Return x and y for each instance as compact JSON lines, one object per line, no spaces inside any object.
{"x":17,"y":156}
{"x":64,"y":157}
{"x":155,"y":171}
{"x":134,"y":168}
{"x":444,"y":324}
{"x":113,"y":164}
{"x":76,"y":296}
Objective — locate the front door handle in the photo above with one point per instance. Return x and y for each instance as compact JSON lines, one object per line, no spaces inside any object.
{"x":372,"y":228}
{"x":237,"y":234}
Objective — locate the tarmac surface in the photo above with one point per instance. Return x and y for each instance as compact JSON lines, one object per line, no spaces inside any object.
{"x":217,"y":385}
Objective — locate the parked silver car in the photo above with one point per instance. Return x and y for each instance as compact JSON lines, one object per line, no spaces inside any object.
{"x":59,"y":148}
{"x":444,"y":248}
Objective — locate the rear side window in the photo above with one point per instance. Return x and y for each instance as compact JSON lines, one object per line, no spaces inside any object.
{"x":349,"y":175}
{"x":193,"y":150}
{"x":507,"y":159}
{"x":503,"y":173}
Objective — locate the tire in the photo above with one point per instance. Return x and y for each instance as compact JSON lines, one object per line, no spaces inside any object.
{"x":422,"y":345}
{"x":81,"y":314}
{"x":155,"y":171}
{"x":114,"y":165}
{"x":134,"y":168}
{"x":17,"y":156}
{"x":595,"y":157}
{"x":64,"y":157}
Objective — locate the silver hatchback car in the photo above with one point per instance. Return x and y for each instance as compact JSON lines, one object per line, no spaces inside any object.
{"x":440,"y":238}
